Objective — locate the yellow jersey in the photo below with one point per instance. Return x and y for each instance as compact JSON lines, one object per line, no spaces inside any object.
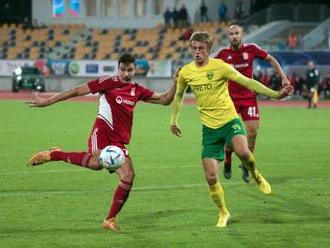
{"x":210,"y":86}
{"x":209,"y":83}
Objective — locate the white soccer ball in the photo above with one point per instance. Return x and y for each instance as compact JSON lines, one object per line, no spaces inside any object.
{"x":112,"y":158}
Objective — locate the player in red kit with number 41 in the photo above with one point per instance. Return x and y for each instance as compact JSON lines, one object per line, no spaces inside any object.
{"x":118,"y":96}
{"x":241,"y":57}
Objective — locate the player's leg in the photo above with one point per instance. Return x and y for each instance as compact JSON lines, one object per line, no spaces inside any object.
{"x":250,"y":117}
{"x":315,"y":97}
{"x":84,"y":159}
{"x":237,"y":137}
{"x":227,"y":162}
{"x":212,"y":152}
{"x":228,"y":149}
{"x":216,"y":191}
{"x":309,"y":97}
{"x":241,"y":149}
{"x":97,"y":141}
{"x":251,"y":134}
{"x":126,"y":177}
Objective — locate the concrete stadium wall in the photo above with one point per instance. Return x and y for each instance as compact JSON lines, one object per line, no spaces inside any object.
{"x":42,"y":11}
{"x":62,"y":83}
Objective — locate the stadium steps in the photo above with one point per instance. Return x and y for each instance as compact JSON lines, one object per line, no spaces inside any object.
{"x":300,"y":28}
{"x":273,"y":36}
{"x":267,"y":31}
{"x":317,"y":39}
{"x":62,"y":52}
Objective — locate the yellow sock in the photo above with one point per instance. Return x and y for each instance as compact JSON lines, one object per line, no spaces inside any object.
{"x":218,"y":196}
{"x":250,"y":164}
{"x":315,"y":98}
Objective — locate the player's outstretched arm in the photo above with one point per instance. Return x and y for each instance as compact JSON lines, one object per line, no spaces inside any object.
{"x":286,"y":90}
{"x":167,"y":97}
{"x":163,"y":98}
{"x":176,"y":108}
{"x":260,"y":88}
{"x":181,"y":88}
{"x":37,"y":101}
{"x":277,"y":67}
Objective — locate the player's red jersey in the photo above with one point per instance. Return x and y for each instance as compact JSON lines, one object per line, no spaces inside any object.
{"x":241,"y":60}
{"x":117,"y":101}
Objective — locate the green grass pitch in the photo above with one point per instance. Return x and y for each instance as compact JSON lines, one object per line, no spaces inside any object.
{"x":60,"y":205}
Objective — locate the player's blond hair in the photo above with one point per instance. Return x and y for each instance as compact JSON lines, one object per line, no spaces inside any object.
{"x":201,"y":36}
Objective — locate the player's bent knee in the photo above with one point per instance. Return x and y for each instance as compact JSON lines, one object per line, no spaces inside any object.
{"x":127,"y":178}
{"x":252,"y":134}
{"x":211,"y":179}
{"x":244,"y":155}
{"x":127,"y":175}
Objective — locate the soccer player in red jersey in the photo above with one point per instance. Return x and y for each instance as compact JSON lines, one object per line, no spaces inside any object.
{"x":118,"y":96}
{"x":241,"y":57}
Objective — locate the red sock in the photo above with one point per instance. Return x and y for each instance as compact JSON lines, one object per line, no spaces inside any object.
{"x":228,"y":155}
{"x":77,"y":158}
{"x":119,"y":198}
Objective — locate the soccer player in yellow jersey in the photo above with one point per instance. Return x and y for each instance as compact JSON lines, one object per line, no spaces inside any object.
{"x":208,"y":79}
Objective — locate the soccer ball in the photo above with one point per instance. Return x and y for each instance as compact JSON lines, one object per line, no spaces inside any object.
{"x":112,"y":158}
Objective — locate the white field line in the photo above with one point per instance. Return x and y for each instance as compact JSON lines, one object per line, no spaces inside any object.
{"x":84,"y":192}
{"x":32,"y":171}
{"x":144,"y":188}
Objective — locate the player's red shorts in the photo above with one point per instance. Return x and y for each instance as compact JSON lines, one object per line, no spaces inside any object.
{"x":247,"y":109}
{"x":100,"y":137}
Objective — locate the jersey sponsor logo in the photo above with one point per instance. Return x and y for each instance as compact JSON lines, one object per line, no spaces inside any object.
{"x":201,"y":87}
{"x":237,"y":66}
{"x":209,"y":75}
{"x":120,"y":100}
{"x":245,"y":55}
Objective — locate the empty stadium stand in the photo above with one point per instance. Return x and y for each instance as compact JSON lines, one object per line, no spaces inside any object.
{"x":71,"y":41}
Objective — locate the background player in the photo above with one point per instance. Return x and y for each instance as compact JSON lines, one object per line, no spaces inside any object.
{"x":312,"y":83}
{"x":208,"y":81}
{"x":241,"y":57}
{"x":113,"y":125}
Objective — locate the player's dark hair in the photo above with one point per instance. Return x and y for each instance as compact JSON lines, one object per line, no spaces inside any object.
{"x":234,"y":24}
{"x":126,"y":59}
